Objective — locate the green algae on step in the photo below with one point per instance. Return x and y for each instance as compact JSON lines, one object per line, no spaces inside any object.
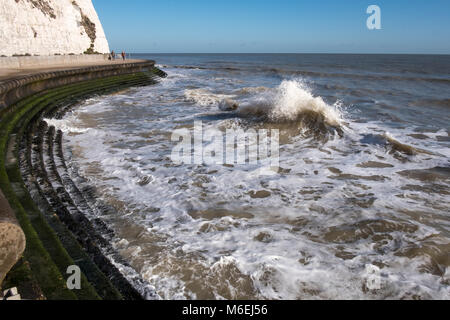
{"x":46,"y":268}
{"x":46,"y":111}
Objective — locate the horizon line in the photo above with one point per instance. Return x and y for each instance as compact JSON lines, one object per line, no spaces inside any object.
{"x":292,"y":53}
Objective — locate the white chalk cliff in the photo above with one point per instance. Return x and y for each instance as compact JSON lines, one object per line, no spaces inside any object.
{"x":49,"y":27}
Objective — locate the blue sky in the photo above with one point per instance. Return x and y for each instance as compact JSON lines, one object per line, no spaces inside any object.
{"x":275,"y":26}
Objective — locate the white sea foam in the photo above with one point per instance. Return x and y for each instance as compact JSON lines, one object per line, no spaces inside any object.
{"x":205,"y":98}
{"x":289,"y":102}
{"x":205,"y":236}
{"x":65,"y":126}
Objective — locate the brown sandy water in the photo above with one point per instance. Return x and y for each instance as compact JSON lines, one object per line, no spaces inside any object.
{"x":363,"y":181}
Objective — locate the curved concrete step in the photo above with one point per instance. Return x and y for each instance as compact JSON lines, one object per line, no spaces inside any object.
{"x":61,"y":203}
{"x":51,"y":243}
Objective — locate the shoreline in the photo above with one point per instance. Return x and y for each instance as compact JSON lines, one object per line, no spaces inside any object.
{"x":56,"y":237}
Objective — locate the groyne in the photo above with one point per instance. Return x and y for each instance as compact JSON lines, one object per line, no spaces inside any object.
{"x":43,"y":228}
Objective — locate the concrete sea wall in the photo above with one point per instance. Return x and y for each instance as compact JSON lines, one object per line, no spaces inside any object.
{"x":15,"y":89}
{"x":34,"y":213}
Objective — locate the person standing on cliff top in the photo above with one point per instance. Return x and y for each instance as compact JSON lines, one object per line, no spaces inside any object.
{"x":123,"y":55}
{"x":113,"y":55}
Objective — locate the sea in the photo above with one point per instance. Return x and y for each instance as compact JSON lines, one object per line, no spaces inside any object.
{"x":357,"y":207}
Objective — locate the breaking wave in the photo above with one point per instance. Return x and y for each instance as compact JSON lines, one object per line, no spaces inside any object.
{"x":309,"y":232}
{"x":290,"y":102}
{"x":204,"y":98}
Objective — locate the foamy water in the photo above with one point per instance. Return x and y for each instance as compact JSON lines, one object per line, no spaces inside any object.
{"x":363,"y":181}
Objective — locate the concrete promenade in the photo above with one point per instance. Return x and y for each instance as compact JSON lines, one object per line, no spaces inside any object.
{"x":13,"y":67}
